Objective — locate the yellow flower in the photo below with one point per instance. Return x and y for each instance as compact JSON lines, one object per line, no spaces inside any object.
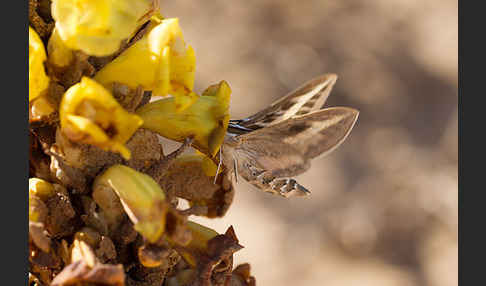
{"x":39,"y":192}
{"x":58,"y":53}
{"x":41,"y":188}
{"x":141,"y":197}
{"x":38,"y":80}
{"x":160,"y":62}
{"x":89,"y":114}
{"x":206,"y":119}
{"x":97,"y":27}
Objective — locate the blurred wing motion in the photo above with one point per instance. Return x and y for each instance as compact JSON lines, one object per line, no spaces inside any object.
{"x":309,"y":97}
{"x":273,"y":145}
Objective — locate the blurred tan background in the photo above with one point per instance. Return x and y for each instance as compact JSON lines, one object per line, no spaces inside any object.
{"x":383,"y":209}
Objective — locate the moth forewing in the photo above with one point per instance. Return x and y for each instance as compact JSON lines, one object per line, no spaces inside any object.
{"x":323,"y":85}
{"x":309,"y":97}
{"x":314,"y":134}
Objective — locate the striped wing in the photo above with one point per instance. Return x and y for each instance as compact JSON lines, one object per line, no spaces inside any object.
{"x":313,"y":134}
{"x":307,"y":98}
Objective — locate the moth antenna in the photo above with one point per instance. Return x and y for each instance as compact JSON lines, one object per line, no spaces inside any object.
{"x":219,"y":166}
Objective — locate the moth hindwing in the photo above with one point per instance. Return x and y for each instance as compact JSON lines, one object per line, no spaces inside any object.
{"x":268,"y":154}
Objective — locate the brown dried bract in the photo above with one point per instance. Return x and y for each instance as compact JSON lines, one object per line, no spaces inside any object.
{"x":241,"y":276}
{"x":207,"y":198}
{"x":79,"y":273}
{"x":72,"y":73}
{"x":92,"y":217}
{"x":61,"y":219}
{"x":158,"y":171}
{"x":215,"y":263}
{"x":145,"y":148}
{"x":38,"y":235}
{"x":175,"y":228}
{"x":38,"y":161}
{"x":103,"y":246}
{"x":76,"y":164}
{"x":39,"y":23}
{"x":151,"y":255}
{"x":145,"y":274}
{"x":53,"y":98}
{"x":41,"y":260}
{"x":127,"y":97}
{"x":106,"y":251}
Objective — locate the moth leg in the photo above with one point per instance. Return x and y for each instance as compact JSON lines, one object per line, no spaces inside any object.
{"x":255,"y":172}
{"x":288,"y":187}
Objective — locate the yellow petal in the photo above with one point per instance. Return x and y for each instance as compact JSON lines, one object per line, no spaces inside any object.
{"x":97,"y":27}
{"x":59,"y":54}
{"x":159,"y":62}
{"x":38,"y":80}
{"x":141,"y":197}
{"x":198,"y":245}
{"x":41,"y":188}
{"x":206,"y":119}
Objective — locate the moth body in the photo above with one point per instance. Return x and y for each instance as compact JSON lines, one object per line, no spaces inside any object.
{"x":270,"y":147}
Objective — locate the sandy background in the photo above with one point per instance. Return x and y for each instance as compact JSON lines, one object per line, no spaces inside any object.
{"x":383,"y":209}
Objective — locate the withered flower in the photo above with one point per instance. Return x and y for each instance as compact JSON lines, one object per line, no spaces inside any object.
{"x":210,"y":254}
{"x":89,"y":114}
